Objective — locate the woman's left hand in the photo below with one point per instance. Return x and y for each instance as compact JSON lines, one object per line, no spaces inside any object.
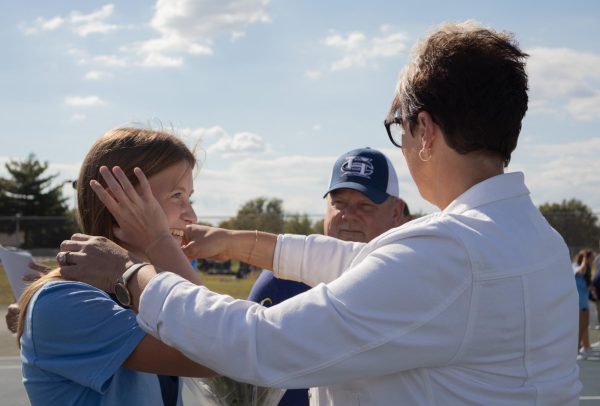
{"x":96,"y":261}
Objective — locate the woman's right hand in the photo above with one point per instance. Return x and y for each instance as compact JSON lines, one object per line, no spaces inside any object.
{"x":206,"y":242}
{"x":249,"y":246}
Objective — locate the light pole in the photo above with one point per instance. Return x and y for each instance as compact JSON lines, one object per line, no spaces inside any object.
{"x":73,"y":184}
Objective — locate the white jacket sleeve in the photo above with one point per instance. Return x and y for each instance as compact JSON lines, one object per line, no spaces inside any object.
{"x":386,"y":314}
{"x":313,"y":259}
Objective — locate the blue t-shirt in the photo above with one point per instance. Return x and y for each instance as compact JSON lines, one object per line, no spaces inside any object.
{"x":75,"y":340}
{"x":270,"y":291}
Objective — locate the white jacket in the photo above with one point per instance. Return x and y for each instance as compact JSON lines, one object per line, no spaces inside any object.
{"x":472,"y":305}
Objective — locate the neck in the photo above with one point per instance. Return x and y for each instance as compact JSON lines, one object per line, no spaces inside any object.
{"x":135,"y":253}
{"x":454,"y":174}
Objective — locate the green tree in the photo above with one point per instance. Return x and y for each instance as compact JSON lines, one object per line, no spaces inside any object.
{"x":575,"y":222}
{"x":298,"y":224}
{"x":258,"y":214}
{"x":30,"y":191}
{"x":318,"y":226}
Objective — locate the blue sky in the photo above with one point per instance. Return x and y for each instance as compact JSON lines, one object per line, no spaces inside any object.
{"x":272,"y":92}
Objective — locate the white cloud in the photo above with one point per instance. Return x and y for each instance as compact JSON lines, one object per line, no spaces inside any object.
{"x":52,"y":24}
{"x":83,"y":101}
{"x":360,"y":51}
{"x":41,"y":24}
{"x":82,"y":24}
{"x":190,"y":26}
{"x":172,"y":43}
{"x":110,"y":61}
{"x":203,"y":134}
{"x":158,"y":60}
{"x":566,"y":80}
{"x":240,"y":143}
{"x":184,"y":27}
{"x":555,"y":172}
{"x":351,"y":42}
{"x":585,"y":108}
{"x":93,"y":23}
{"x":96,"y":75}
{"x":101,"y":14}
{"x":204,"y":19}
{"x":78,"y":117}
{"x":95,"y":28}
{"x":237,"y":35}
{"x":313,"y":74}
{"x":218,"y":142}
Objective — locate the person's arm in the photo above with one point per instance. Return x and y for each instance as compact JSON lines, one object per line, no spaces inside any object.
{"x":12,"y":312}
{"x":359,"y":321}
{"x":154,"y":356}
{"x":580,"y":270}
{"x":252,"y":247}
{"x":313,"y":259}
{"x":12,"y":317}
{"x":100,"y":262}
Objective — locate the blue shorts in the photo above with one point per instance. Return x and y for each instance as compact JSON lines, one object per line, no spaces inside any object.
{"x":582,"y":289}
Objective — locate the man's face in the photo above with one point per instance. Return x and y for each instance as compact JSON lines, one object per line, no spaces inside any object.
{"x":352,"y":216}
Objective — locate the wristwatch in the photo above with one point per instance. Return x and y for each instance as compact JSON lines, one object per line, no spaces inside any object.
{"x":123,"y":294}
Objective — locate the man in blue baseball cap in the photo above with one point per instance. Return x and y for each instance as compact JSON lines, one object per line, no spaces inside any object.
{"x":362,"y":203}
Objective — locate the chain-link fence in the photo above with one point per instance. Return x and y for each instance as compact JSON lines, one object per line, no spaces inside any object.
{"x":36,"y":231}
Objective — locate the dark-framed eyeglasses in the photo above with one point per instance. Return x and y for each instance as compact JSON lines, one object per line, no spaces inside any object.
{"x":393,"y":126}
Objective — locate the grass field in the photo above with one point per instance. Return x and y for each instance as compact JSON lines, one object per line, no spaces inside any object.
{"x":226,"y":284}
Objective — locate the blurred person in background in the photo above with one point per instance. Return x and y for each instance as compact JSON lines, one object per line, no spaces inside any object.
{"x":595,"y":290}
{"x":582,"y":266}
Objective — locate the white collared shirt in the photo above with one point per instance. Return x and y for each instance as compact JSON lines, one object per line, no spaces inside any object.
{"x":472,"y":305}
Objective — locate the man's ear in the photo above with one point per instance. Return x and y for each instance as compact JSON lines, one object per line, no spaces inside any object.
{"x":398,"y":212}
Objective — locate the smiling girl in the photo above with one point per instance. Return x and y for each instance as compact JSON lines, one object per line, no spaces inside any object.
{"x":79,"y":345}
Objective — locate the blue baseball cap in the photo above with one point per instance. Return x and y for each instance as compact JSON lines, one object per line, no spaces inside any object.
{"x":367,"y":171}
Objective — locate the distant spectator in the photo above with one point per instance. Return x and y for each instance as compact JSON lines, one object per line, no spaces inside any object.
{"x":595,"y":290}
{"x":582,"y":266}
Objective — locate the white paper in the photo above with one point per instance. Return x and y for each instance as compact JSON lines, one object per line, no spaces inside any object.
{"x":16,"y":265}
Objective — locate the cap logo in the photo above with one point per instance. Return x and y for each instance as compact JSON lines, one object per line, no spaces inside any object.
{"x":358,"y":166}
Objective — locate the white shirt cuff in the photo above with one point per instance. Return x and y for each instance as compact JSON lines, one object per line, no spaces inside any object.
{"x":152,"y":300}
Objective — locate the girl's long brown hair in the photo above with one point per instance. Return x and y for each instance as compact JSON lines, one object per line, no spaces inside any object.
{"x":151,"y":150}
